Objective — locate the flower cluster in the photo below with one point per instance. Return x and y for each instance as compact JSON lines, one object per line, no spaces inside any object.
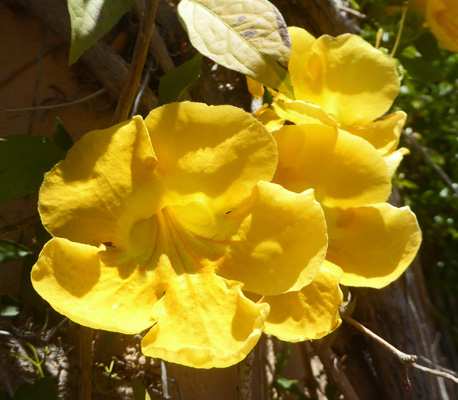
{"x":340,"y":143}
{"x":203,"y":227}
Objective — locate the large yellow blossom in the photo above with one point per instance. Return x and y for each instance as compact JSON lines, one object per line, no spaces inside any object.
{"x":343,"y":82}
{"x":371,"y":242}
{"x":159,"y":223}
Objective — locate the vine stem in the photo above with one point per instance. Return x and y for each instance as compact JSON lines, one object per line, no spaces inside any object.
{"x":407,"y":359}
{"x":245,"y":377}
{"x":127,"y":96}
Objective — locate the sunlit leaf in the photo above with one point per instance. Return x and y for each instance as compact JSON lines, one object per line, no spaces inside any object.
{"x":249,"y":36}
{"x":10,"y":306}
{"x":91,"y":20}
{"x":10,"y":251}
{"x":24,"y":159}
{"x":174,"y":83}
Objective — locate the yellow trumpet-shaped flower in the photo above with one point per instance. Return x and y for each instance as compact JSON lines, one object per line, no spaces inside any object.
{"x":346,"y":76}
{"x":160,"y":223}
{"x":442,"y":19}
{"x":343,"y":82}
{"x":370,"y":242}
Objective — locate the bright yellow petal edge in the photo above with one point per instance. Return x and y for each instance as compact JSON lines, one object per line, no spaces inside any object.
{"x":152,"y":228}
{"x":372,"y":245}
{"x":308,"y":314}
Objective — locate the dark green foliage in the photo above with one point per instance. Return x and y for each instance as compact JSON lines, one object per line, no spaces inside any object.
{"x":10,"y":251}
{"x":9,"y":306}
{"x":42,"y":389}
{"x":24,"y":160}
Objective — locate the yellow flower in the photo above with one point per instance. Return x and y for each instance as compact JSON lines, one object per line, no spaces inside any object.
{"x":370,"y":242}
{"x":159,"y":223}
{"x":442,"y":18}
{"x":343,"y":82}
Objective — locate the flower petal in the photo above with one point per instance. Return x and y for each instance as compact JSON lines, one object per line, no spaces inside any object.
{"x":394,"y":159}
{"x":203,"y":322}
{"x":219,"y":153}
{"x":76,"y":283}
{"x":383,"y":133}
{"x":351,"y":80}
{"x":308,"y":314}
{"x":343,"y":169}
{"x":106,"y":174}
{"x":373,"y":245}
{"x":302,"y":112}
{"x":269,"y":118}
{"x":280,"y":244}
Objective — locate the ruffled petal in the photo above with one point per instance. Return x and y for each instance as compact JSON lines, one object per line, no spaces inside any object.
{"x":394,"y":159}
{"x":351,"y":80}
{"x":204,"y":322}
{"x":383,"y":133}
{"x":217,"y":153}
{"x":302,"y":112}
{"x":280,"y":244}
{"x":308,"y":314}
{"x":373,"y":245}
{"x":77,"y":283}
{"x":343,"y":169}
{"x":107,"y":174}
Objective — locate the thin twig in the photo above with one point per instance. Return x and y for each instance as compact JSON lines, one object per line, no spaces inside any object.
{"x":165,"y":384}
{"x":19,"y":226}
{"x":138,"y":60}
{"x":403,"y":357}
{"x":140,"y":92}
{"x":428,"y":158}
{"x":408,"y":359}
{"x":69,"y":103}
{"x":352,"y":12}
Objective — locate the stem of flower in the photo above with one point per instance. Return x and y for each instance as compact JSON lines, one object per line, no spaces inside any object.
{"x":405,"y":6}
{"x":138,"y":60}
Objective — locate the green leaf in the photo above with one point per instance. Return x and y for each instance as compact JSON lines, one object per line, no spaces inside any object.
{"x":10,"y":306}
{"x":139,"y":389}
{"x":61,"y":136}
{"x":291,"y":387}
{"x":248,"y":36}
{"x":24,"y":159}
{"x":10,"y":251}
{"x":282,"y":358}
{"x":91,"y":20}
{"x":174,"y":83}
{"x":42,"y":389}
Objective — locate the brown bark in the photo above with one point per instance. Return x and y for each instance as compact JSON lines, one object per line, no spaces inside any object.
{"x":108,"y":67}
